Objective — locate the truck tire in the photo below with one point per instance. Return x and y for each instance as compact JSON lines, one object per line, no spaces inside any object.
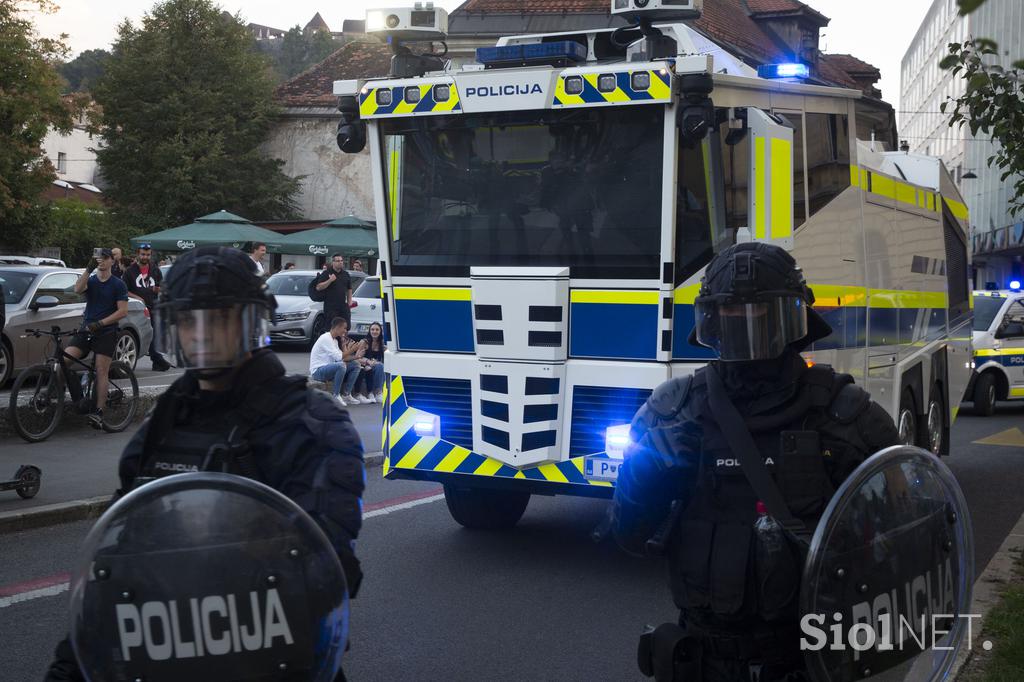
{"x":485,"y":509}
{"x":906,"y":421}
{"x":933,"y":427}
{"x":984,"y":397}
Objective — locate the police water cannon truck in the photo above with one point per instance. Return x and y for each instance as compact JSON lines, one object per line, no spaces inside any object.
{"x":545,"y":215}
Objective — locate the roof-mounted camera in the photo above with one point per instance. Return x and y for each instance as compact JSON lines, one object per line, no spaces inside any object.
{"x":421,"y":23}
{"x":658,"y":10}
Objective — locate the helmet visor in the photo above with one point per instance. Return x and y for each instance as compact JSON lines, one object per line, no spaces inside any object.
{"x":751,"y":331}
{"x":211,"y":338}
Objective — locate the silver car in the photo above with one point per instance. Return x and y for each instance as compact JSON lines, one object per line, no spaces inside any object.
{"x":22,"y":288}
{"x":298,"y":318}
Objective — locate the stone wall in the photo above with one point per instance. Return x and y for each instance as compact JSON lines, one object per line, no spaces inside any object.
{"x":336,"y":184}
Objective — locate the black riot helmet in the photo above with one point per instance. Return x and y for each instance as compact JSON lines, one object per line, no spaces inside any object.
{"x":754,"y":303}
{"x":213,"y":309}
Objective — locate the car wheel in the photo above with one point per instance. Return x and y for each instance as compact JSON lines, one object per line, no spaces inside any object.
{"x":985,"y":395}
{"x":6,"y":363}
{"x":127,"y":349}
{"x":907,"y":422}
{"x":319,"y":327}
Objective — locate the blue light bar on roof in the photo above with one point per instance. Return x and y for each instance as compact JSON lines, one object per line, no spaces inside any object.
{"x":783,"y":71}
{"x":564,"y":49}
{"x":1015,"y":284}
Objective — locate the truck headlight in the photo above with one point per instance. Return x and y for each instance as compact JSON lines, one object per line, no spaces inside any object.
{"x":616,"y":440}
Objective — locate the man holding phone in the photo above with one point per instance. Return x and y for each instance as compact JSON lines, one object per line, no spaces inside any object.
{"x":142,"y":278}
{"x":336,"y":286}
{"x":106,"y":302}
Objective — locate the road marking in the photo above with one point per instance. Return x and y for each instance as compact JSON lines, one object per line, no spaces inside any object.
{"x":33,"y":589}
{"x":55,"y":585}
{"x":1012,"y":437}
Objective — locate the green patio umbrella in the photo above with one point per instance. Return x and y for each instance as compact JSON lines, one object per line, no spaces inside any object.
{"x":349,"y":236}
{"x":217,"y":229}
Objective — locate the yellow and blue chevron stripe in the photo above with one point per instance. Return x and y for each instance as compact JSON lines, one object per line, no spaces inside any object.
{"x":660,"y":89}
{"x":404,"y":450}
{"x":369,"y":108}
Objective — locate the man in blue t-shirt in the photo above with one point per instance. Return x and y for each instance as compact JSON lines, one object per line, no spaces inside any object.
{"x":106,"y":302}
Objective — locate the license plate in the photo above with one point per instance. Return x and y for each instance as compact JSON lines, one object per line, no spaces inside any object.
{"x":602,"y":469}
{"x":362,"y":328}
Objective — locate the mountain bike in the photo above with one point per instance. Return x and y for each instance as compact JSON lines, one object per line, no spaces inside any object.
{"x":37,"y":397}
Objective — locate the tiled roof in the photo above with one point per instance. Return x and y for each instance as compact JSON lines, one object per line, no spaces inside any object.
{"x":854,"y":66}
{"x":544,"y":6}
{"x":775,"y":5}
{"x":314,"y":87}
{"x":833,"y":72}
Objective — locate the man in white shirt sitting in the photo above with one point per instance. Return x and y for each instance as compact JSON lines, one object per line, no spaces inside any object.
{"x":328,"y":363}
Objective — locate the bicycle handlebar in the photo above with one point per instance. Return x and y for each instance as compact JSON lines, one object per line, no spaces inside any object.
{"x":54,"y":332}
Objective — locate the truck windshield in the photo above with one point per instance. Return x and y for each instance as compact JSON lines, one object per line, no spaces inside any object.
{"x":985,"y":310}
{"x":578,"y":189}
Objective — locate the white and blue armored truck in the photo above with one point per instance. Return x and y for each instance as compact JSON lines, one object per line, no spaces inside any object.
{"x":545,"y":217}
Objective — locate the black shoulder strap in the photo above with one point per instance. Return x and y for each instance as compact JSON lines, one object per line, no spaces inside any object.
{"x":743,"y":447}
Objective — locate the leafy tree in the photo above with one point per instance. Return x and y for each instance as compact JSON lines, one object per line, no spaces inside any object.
{"x":992,"y":104}
{"x":77,"y":228}
{"x":291,"y":60}
{"x":186,"y":103}
{"x":30,"y":104}
{"x":321,"y":46}
{"x":85,"y":70}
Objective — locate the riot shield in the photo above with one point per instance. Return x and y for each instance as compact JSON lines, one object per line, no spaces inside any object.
{"x":208,"y":576}
{"x":887,"y":583}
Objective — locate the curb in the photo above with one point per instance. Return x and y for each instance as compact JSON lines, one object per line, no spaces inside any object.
{"x":85,"y":509}
{"x":988,"y":588}
{"x":71,"y":420}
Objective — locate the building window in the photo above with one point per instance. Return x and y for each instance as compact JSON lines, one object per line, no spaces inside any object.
{"x":62,"y":162}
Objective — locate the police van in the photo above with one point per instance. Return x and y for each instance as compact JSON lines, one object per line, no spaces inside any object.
{"x":545,"y":216}
{"x":998,"y":348}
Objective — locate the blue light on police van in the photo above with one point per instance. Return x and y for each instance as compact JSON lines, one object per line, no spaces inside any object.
{"x":569,"y":49}
{"x":783,"y":71}
{"x":564,"y":49}
{"x":1015,"y":284}
{"x":505,"y":53}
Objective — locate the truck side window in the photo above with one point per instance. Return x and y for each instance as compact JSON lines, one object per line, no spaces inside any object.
{"x":736,"y":175}
{"x":828,"y":158}
{"x":694,"y":225}
{"x":796,"y":121}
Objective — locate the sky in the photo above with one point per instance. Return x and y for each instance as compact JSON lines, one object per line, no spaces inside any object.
{"x":877,"y":31}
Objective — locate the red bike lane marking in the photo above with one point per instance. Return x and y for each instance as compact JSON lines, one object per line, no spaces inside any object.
{"x":18,"y":593}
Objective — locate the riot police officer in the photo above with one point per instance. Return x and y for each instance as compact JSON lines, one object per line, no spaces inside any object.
{"x":236,"y":411}
{"x":684,"y":484}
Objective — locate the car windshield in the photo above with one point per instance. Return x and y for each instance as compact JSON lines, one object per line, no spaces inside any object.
{"x":370,"y":288}
{"x":578,"y":189}
{"x":283,"y":284}
{"x":985,"y":310}
{"x":15,"y":284}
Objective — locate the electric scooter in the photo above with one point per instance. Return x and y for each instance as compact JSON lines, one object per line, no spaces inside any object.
{"x":26,"y":481}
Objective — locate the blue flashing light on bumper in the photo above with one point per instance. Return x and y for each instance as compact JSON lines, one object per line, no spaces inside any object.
{"x":616,"y":440}
{"x":783,"y":71}
{"x":427,"y":425}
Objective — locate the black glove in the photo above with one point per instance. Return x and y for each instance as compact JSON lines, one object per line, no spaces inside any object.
{"x":94,"y":327}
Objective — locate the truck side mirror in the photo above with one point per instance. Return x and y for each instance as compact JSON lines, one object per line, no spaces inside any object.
{"x":351,"y":131}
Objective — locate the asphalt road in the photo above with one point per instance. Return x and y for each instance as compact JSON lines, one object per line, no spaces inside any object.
{"x":441,"y":602}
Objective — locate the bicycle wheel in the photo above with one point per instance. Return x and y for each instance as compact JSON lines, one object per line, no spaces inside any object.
{"x":122,"y":398}
{"x":37,"y":403}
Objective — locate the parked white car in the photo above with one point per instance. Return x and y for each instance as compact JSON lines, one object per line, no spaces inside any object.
{"x":367,"y":308}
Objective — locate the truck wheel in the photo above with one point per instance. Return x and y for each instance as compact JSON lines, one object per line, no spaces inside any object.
{"x":485,"y":509}
{"x":933,"y":427}
{"x":985,"y":395}
{"x":906,"y":423}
